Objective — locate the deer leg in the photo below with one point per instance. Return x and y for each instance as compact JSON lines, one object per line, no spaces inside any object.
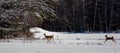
{"x":105,"y":40}
{"x":48,"y":41}
{"x":114,"y":40}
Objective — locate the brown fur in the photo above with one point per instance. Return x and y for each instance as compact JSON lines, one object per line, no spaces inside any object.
{"x":48,"y":37}
{"x":109,"y":38}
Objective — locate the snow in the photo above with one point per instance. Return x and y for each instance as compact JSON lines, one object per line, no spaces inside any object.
{"x":57,"y":48}
{"x":64,"y":43}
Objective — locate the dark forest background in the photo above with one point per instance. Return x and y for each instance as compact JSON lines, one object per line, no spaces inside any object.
{"x":60,"y":15}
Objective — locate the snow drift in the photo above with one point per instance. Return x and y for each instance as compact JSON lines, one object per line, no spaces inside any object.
{"x":38,"y":32}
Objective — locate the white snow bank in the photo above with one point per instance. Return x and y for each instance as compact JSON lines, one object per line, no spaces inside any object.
{"x":38,"y":33}
{"x":38,"y":30}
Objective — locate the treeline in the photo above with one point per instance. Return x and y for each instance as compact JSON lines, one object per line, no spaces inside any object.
{"x":18,"y":16}
{"x":87,"y":16}
{"x":61,"y":15}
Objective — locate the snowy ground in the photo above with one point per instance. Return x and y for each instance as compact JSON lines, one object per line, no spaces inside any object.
{"x":57,"y":48}
{"x":64,"y":43}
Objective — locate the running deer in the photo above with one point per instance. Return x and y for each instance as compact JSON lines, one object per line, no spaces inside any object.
{"x":48,"y":37}
{"x":109,"y":38}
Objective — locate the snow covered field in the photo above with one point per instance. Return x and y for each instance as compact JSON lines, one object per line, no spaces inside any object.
{"x":57,"y":48}
{"x":64,"y":43}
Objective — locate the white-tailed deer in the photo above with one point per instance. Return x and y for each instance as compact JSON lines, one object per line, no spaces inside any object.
{"x":109,"y":38}
{"x":48,"y":37}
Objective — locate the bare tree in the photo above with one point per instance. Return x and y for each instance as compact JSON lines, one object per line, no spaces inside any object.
{"x":95,"y":14}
